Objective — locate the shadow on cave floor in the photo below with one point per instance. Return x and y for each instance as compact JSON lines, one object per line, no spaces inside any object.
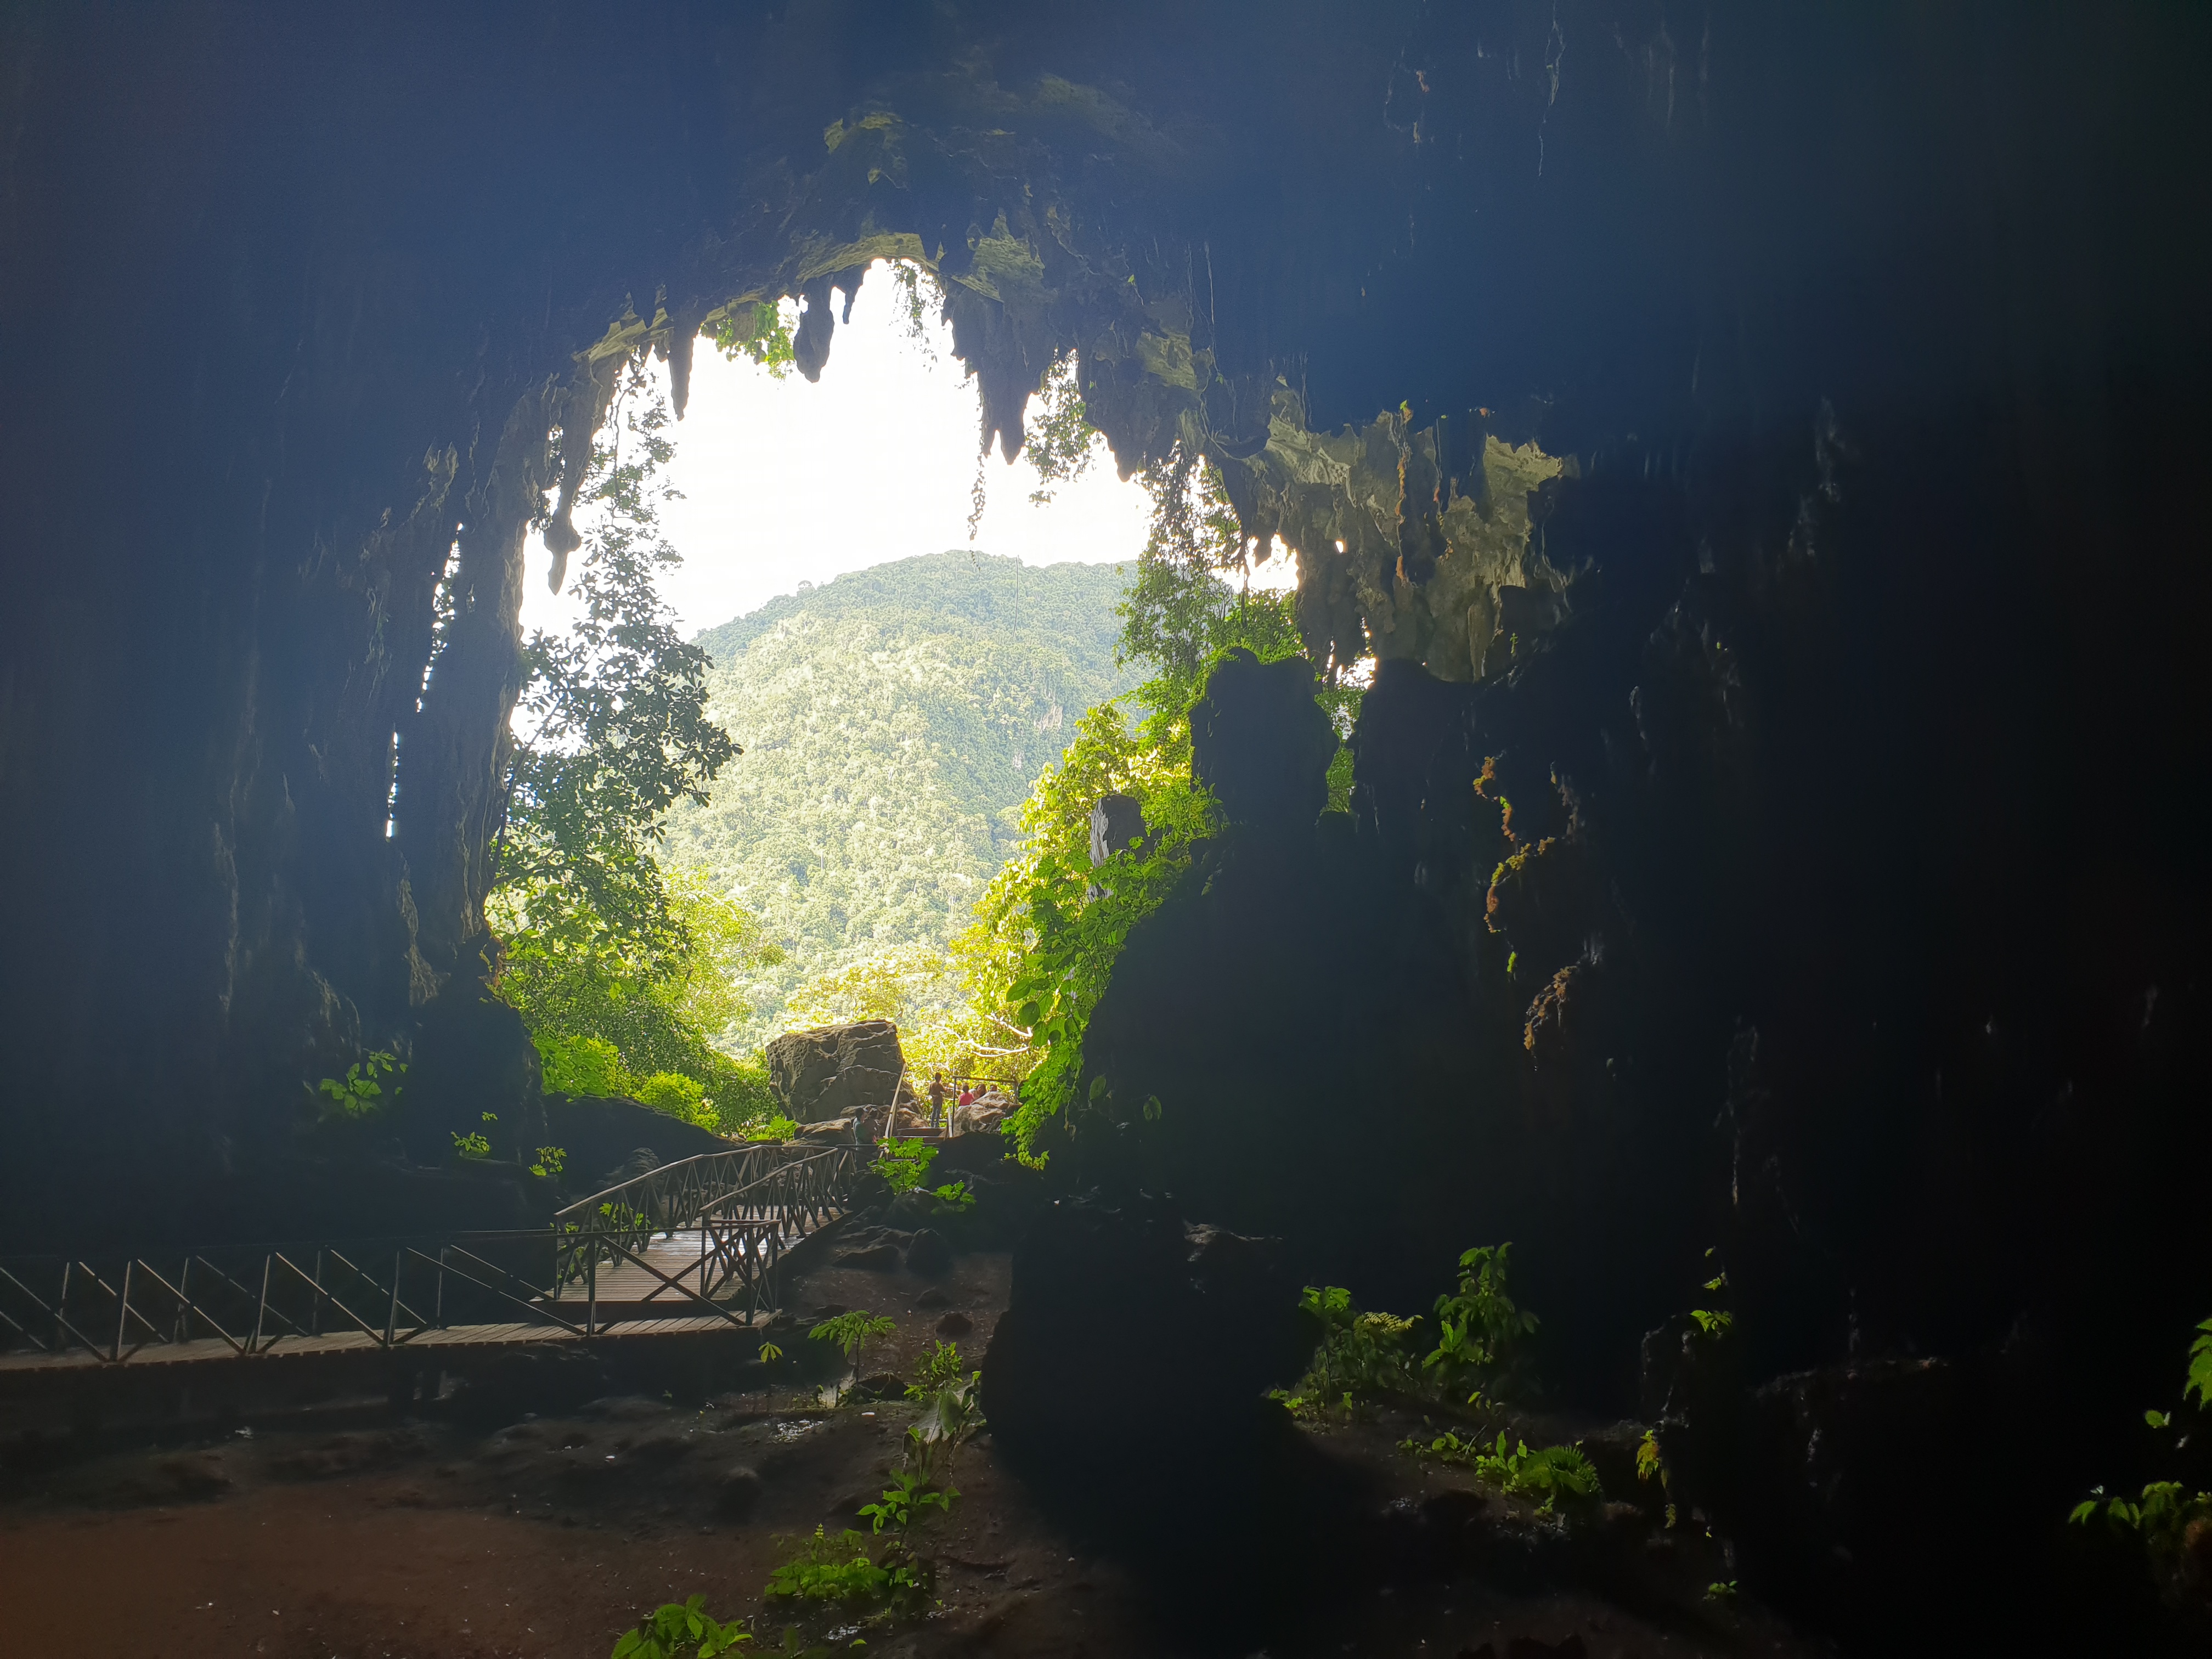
{"x":1294,"y":1539}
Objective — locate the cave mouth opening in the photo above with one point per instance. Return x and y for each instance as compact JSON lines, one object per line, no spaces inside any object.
{"x":780,"y":480}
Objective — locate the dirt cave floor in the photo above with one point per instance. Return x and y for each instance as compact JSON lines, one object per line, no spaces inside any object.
{"x":352,"y":1534}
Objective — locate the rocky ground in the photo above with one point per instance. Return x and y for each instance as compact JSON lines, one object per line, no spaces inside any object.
{"x":343,"y":1533}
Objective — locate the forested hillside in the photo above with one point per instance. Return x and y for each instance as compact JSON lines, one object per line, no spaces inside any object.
{"x":893,"y":720}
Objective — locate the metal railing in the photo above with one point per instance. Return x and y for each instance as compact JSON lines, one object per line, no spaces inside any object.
{"x":250,"y":1299}
{"x":782,"y":1194}
{"x":749,"y":1207}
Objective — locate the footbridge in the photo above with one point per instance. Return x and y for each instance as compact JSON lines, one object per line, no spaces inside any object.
{"x":698,"y":1244}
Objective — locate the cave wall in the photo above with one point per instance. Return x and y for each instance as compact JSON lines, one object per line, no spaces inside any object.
{"x":1776,"y":422}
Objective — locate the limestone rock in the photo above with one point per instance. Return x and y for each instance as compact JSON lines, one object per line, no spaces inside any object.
{"x":1217,"y":1302}
{"x":834,"y":1071}
{"x":929,"y":1254}
{"x":1117,"y":822}
{"x":1260,"y":742}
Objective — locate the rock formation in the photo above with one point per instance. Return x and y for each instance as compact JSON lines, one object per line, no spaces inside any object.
{"x":834,"y":1070}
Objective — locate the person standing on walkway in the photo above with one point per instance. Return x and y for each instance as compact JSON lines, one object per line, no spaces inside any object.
{"x":936,"y":1093}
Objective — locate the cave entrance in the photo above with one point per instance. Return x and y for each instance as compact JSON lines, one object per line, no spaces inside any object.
{"x":781,"y":481}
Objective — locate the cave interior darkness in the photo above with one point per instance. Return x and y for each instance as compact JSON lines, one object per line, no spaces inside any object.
{"x":1762,"y":443}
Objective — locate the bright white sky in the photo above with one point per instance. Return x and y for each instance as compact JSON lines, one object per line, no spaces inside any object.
{"x":785,"y":482}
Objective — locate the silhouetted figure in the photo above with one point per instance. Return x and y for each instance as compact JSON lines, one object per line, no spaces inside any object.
{"x":936,"y":1093}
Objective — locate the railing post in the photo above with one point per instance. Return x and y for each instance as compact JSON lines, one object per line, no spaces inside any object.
{"x":261,"y":1308}
{"x":123,"y":1309}
{"x":315,"y":1314}
{"x":392,"y":1314}
{"x":60,"y":1308}
{"x":185,"y":1302}
{"x":591,"y":1293}
{"x":438,"y":1303}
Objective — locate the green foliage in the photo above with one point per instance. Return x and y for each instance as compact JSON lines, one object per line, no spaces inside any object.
{"x":838,"y":1570}
{"x":603,"y":946}
{"x":1480,"y":1328}
{"x":360,"y":1094}
{"x":2163,"y":1515}
{"x":678,"y":1629}
{"x":1723,"y":1590}
{"x":954,"y":1412}
{"x":851,"y":1333}
{"x":941,"y":1368}
{"x":551,"y":1161}
{"x":472,"y":1147}
{"x":758,"y":331}
{"x":1360,"y":1354}
{"x":1714,"y":1324}
{"x":578,"y":1065}
{"x":1049,"y":928}
{"x":894,"y":720}
{"x":616,"y":710}
{"x":908,"y":1494}
{"x":1650,"y":1466}
{"x":918,"y":290}
{"x":676,"y":1096}
{"x":1546,"y":1472}
{"x":953,"y":1197}
{"x":1060,"y":442}
{"x":904,"y":1163}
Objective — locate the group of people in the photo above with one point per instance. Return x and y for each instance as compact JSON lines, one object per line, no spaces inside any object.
{"x":937,"y":1093}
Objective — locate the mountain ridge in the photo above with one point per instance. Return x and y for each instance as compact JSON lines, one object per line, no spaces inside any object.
{"x":893,"y":721}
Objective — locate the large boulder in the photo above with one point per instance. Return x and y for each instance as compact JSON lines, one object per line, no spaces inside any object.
{"x":598,"y":1132}
{"x":834,"y":1071}
{"x":1219,"y":1318}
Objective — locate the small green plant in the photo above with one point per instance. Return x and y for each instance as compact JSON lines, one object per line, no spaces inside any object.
{"x":941,"y":1368}
{"x":769,"y":1353}
{"x":954,"y":1197}
{"x":851,"y":1333}
{"x":840,"y":1570}
{"x":551,"y":1160}
{"x":2166,"y":1513}
{"x":1650,"y":1466}
{"x":360,"y":1093}
{"x":1546,"y":1472}
{"x":1360,"y":1353}
{"x":954,"y":1414}
{"x":678,"y":1629}
{"x":908,"y":1493}
{"x":1480,"y":1328}
{"x":475,"y":1146}
{"x":904,"y":1163}
{"x":1721,"y":1591}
